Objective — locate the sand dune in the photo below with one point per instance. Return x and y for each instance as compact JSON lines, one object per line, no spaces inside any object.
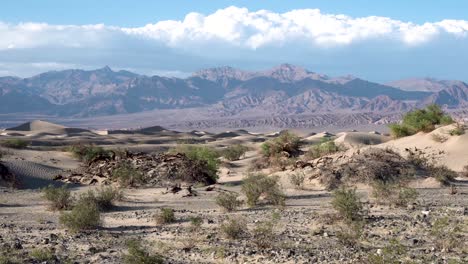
{"x":361,"y":139}
{"x":36,"y":125}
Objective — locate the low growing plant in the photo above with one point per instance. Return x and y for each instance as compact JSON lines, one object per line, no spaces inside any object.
{"x":60,"y":198}
{"x":443,"y":174}
{"x":104,"y":197}
{"x":324,"y":148}
{"x":234,"y":152}
{"x":88,"y":153}
{"x":287,"y":142}
{"x":234,"y":227}
{"x":348,"y":205}
{"x":204,"y":154}
{"x":83,"y":216}
{"x":228,"y":201}
{"x":138,"y":254}
{"x":42,"y":255}
{"x":15,"y":143}
{"x":127,"y":175}
{"x":264,"y":232}
{"x":256,"y":185}
{"x":297,"y":180}
{"x":165,"y":216}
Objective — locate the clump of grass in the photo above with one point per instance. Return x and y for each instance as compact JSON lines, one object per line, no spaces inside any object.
{"x":350,"y":233}
{"x":419,"y":120}
{"x":83,"y":216}
{"x":393,"y":193}
{"x":256,"y":185}
{"x":297,"y":180}
{"x":42,"y":255}
{"x":392,"y":253}
{"x":60,"y":198}
{"x":264,"y":232}
{"x":127,"y":175}
{"x":195,"y":223}
{"x":445,"y":232}
{"x":165,"y":216}
{"x":234,"y":227}
{"x":228,"y":201}
{"x":138,"y":254}
{"x":439,"y":138}
{"x":326,"y":147}
{"x":15,"y":143}
{"x":458,"y":130}
{"x":203,"y":154}
{"x":348,"y":205}
{"x":285,"y":144}
{"x":234,"y":152}
{"x":406,"y":196}
{"x":88,"y":153}
{"x":104,"y":198}
{"x":443,"y":174}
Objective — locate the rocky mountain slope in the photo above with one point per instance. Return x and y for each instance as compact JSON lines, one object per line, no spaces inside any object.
{"x":225,"y":92}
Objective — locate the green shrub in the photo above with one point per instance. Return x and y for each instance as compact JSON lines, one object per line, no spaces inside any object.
{"x":254,"y":186}
{"x":458,"y":130}
{"x":228,"y":201}
{"x":195,"y":223}
{"x":443,"y":174}
{"x":59,"y":197}
{"x":88,"y":153}
{"x":42,"y":255}
{"x":138,"y":254}
{"x":234,"y":227}
{"x":348,"y":205}
{"x":165,"y":216}
{"x":350,"y":233}
{"x":15,"y":143}
{"x":297,"y":180}
{"x":445,"y":232}
{"x":104,"y":197}
{"x":406,"y":196}
{"x":127,"y":175}
{"x":324,"y":148}
{"x":235,"y":152}
{"x":382,"y":191}
{"x":287,"y":142}
{"x":419,"y":120}
{"x":263,"y":235}
{"x":83,"y":216}
{"x":204,"y":154}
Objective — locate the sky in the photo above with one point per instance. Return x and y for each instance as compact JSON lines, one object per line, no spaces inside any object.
{"x":375,"y":40}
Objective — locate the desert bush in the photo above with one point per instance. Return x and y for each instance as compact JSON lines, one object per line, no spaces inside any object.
{"x":382,"y":191}
{"x":323,"y":148}
{"x":263,"y":234}
{"x":234,"y":152}
{"x":42,"y":255}
{"x":228,"y":201}
{"x":88,"y":153}
{"x":127,"y":175}
{"x":203,"y":154}
{"x":297,"y":180}
{"x":165,"y":216}
{"x":195,"y":223}
{"x":392,"y":253}
{"x":458,"y":130}
{"x":256,"y":185}
{"x":104,"y":197}
{"x":138,"y":254}
{"x":406,"y":196}
{"x":439,"y":138}
{"x":234,"y":227}
{"x":419,"y":120}
{"x":15,"y":143}
{"x":350,"y":233}
{"x":286,"y":143}
{"x":83,"y":216}
{"x":442,"y":174}
{"x":348,"y":205}
{"x":445,"y":232}
{"x":60,"y":198}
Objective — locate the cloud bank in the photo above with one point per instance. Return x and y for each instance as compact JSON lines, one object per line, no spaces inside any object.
{"x":234,"y":36}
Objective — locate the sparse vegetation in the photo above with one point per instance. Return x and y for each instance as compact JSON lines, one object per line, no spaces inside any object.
{"x":406,"y":196}
{"x":350,"y":233}
{"x":42,"y":255}
{"x":202,"y":154}
{"x":127,"y":175}
{"x":439,"y":138}
{"x":443,"y":174}
{"x":88,"y":153}
{"x":445,"y":232}
{"x":326,"y":147}
{"x":348,"y":205}
{"x":234,"y":152}
{"x":165,"y":216}
{"x":83,"y":216}
{"x":458,"y":130}
{"x":256,"y":185}
{"x":60,"y":198}
{"x":234,"y":227}
{"x":15,"y":143}
{"x":228,"y":201}
{"x":285,"y":144}
{"x":421,"y":120}
{"x":393,"y":253}
{"x":138,"y":254}
{"x":264,"y":232}
{"x":297,"y":180}
{"x":104,"y":197}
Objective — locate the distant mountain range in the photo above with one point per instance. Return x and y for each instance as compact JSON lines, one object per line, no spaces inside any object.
{"x":285,"y":90}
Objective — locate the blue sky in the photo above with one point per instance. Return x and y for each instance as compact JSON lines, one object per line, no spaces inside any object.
{"x":377,"y":40}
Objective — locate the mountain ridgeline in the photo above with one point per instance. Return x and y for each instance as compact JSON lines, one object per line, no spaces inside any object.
{"x":283,"y":90}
